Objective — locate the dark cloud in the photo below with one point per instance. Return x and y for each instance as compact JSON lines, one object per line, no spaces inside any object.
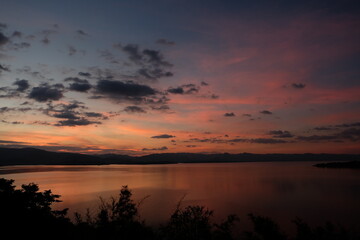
{"x":239,"y":140}
{"x":3,"y":68}
{"x":21,"y":45}
{"x":352,"y":134}
{"x":184,"y":89}
{"x":62,"y":110}
{"x":71,"y":50}
{"x":73,"y":114}
{"x":11,"y":142}
{"x":164,"y":41}
{"x":79,"y":85}
{"x":317,"y":138}
{"x":22,"y":85}
{"x":281,"y":134}
{"x":151,"y":63}
{"x":94,"y":114}
{"x":247,"y":115}
{"x":153,"y":74}
{"x":267,"y":141}
{"x":3,"y":25}
{"x":155,"y":58}
{"x":108,"y":56}
{"x":163,"y":136}
{"x":349,"y":134}
{"x":266,"y":112}
{"x":45,"y":92}
{"x":75,"y":122}
{"x":162,"y":108}
{"x":323,"y":128}
{"x":16,"y":34}
{"x":3,"y":39}
{"x":177,"y":90}
{"x":82,"y":33}
{"x":45,"y":40}
{"x":46,"y":33}
{"x":8,"y":109}
{"x":347,"y":125}
{"x":84,"y":74}
{"x":204,"y":84}
{"x":298,"y":85}
{"x":155,"y":149}
{"x":130,"y":91}
{"x":230,"y":114}
{"x":134,"y":109}
{"x":35,"y":74}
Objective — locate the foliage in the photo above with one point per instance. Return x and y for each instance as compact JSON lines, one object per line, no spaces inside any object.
{"x":27,"y":212}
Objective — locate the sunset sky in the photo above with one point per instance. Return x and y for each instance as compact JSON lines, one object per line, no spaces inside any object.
{"x":141,"y":77}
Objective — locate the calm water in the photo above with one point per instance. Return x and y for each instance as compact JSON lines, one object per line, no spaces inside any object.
{"x":279,"y":190}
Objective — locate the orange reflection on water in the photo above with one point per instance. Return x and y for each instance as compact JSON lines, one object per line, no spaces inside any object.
{"x":277,"y":189}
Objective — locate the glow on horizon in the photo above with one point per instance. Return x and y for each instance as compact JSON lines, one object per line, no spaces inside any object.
{"x":136,"y":80}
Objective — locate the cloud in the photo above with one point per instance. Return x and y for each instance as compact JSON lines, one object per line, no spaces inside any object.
{"x":79,"y":85}
{"x":323,"y":128}
{"x":45,"y":92}
{"x":17,"y":46}
{"x":134,"y":109}
{"x":22,"y":85}
{"x":130,"y":91}
{"x":347,"y":125}
{"x":239,"y":140}
{"x":298,"y":85}
{"x":163,"y":41}
{"x":204,"y":84}
{"x":3,"y":68}
{"x":84,"y":74}
{"x":71,"y":50}
{"x":3,"y":25}
{"x":153,"y":74}
{"x":8,"y":109}
{"x":162,"y":108}
{"x":45,"y":40}
{"x":177,"y":90}
{"x":184,"y":89}
{"x":163,"y":136}
{"x":95,"y":115}
{"x":247,"y":115}
{"x":73,"y":114}
{"x":266,"y":112}
{"x":267,"y":141}
{"x":317,"y":138}
{"x":75,"y":122}
{"x":281,"y":134}
{"x":82,"y":33}
{"x":151,"y":63}
{"x":230,"y":114}
{"x":155,"y":149}
{"x":12,"y":142}
{"x":3,"y":39}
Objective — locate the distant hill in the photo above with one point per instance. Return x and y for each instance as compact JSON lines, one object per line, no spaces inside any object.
{"x":33,"y":156}
{"x":350,"y":164}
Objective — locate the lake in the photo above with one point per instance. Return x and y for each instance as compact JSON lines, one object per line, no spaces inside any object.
{"x":280,"y":190}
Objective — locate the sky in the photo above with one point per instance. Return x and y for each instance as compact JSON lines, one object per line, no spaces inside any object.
{"x":141,"y":77}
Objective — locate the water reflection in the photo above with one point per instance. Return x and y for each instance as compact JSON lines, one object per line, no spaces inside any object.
{"x":280,"y":190}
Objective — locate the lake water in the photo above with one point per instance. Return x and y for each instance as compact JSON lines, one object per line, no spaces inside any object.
{"x":280,"y":190}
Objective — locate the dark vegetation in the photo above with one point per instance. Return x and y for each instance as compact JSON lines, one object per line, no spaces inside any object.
{"x":27,"y":213}
{"x":351,"y":164}
{"x":33,"y":156}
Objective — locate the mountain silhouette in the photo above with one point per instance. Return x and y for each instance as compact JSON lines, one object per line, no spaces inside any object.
{"x":33,"y":156}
